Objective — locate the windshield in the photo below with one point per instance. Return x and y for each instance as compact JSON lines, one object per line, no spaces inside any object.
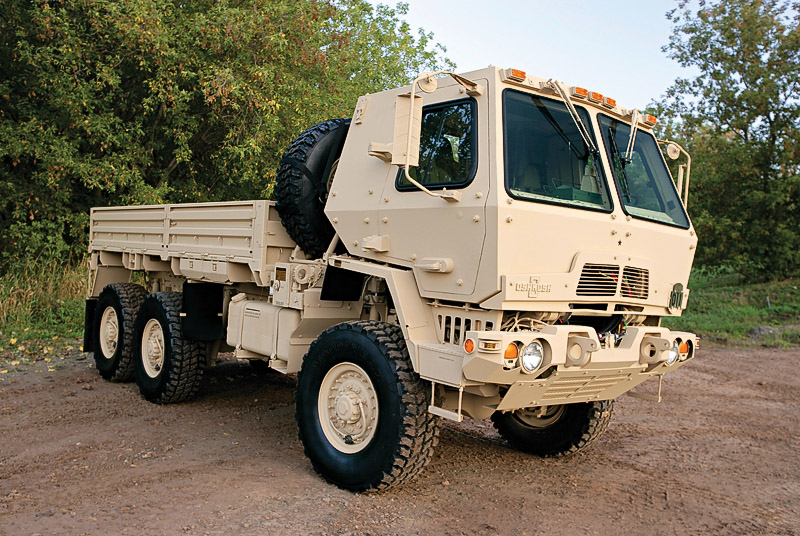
{"x":546,"y":159}
{"x":645,"y":186}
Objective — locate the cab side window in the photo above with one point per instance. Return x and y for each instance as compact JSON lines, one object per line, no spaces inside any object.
{"x":447,"y":154}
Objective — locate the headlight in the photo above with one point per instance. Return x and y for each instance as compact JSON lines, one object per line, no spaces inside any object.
{"x":673,"y":353}
{"x":532,"y":356}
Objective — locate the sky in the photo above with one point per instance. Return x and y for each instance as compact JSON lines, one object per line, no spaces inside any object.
{"x":609,"y":46}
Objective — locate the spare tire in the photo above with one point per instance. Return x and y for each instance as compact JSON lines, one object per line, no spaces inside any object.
{"x":301,"y":188}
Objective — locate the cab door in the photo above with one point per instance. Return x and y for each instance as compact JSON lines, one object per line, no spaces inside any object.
{"x":443,"y":240}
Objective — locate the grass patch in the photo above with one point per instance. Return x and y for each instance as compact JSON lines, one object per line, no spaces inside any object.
{"x":43,"y":303}
{"x":723,"y":307}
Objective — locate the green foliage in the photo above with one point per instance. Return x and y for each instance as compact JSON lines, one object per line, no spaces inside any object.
{"x":724,"y":306}
{"x":42,"y":302}
{"x":740,"y":119}
{"x":148,"y":101}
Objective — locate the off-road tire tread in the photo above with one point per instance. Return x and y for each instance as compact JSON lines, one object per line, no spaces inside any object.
{"x":420,"y":429}
{"x":130,"y":297}
{"x":313,"y":237}
{"x":599,"y":417}
{"x":188,"y":356}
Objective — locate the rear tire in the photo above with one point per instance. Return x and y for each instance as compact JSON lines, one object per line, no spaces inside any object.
{"x":169,"y":367}
{"x":302,"y":184}
{"x":112,"y":330}
{"x":361,"y":409}
{"x":562,"y":431}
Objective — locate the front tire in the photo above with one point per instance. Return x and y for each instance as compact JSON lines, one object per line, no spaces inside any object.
{"x":112,"y":330}
{"x":557,"y":432}
{"x":362,"y":410}
{"x":169,"y":367}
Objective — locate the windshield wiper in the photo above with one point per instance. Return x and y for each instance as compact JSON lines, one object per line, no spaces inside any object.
{"x":573,"y":113}
{"x":582,"y":130}
{"x":620,"y":162}
{"x":632,"y":138}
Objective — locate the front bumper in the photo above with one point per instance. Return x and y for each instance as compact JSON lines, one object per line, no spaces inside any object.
{"x":577,"y":366}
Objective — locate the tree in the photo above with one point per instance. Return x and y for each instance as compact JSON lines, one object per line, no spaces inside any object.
{"x":740,"y":117}
{"x":148,"y":101}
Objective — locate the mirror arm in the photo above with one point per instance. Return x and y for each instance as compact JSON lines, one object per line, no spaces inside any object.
{"x":686,"y":186}
{"x":474,"y":89}
{"x":444,"y":194}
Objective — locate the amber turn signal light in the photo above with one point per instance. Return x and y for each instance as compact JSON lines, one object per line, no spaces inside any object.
{"x":469,"y":346}
{"x":512,"y":351}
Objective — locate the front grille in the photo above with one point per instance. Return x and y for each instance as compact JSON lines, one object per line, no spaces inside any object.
{"x":598,"y":280}
{"x":635,"y":282}
{"x":452,"y":328}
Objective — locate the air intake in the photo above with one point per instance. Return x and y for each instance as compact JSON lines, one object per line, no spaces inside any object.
{"x":598,"y":280}
{"x":635,"y":283}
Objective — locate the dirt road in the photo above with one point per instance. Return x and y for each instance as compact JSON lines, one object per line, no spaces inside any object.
{"x":79,"y":455}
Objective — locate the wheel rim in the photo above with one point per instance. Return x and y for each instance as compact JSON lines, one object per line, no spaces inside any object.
{"x":153,"y":348}
{"x":109,"y":332}
{"x":348,"y":408}
{"x":536,"y":418}
{"x":329,"y":183}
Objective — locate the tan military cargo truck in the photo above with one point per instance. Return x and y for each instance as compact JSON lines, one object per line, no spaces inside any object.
{"x":491,"y":245}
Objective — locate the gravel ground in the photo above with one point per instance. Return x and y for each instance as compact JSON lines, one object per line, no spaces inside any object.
{"x":79,"y":455}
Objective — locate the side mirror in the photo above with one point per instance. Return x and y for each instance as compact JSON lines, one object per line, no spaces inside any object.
{"x":673,"y":151}
{"x":400,"y":151}
{"x":405,"y":145}
{"x":427,"y":84}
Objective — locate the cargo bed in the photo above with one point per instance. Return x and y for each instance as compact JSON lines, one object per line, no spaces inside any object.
{"x":229,"y":242}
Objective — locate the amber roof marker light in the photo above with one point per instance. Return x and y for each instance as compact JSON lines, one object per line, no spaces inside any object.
{"x":578,"y":92}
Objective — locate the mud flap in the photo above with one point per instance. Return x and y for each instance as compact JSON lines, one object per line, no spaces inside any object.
{"x":201,"y":313}
{"x":88,"y":322}
{"x":342,"y":285}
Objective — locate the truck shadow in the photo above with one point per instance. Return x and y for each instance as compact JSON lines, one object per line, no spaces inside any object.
{"x":235,"y":383}
{"x":231,"y":379}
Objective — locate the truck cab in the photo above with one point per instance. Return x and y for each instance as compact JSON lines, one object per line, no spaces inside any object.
{"x":565,"y":224}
